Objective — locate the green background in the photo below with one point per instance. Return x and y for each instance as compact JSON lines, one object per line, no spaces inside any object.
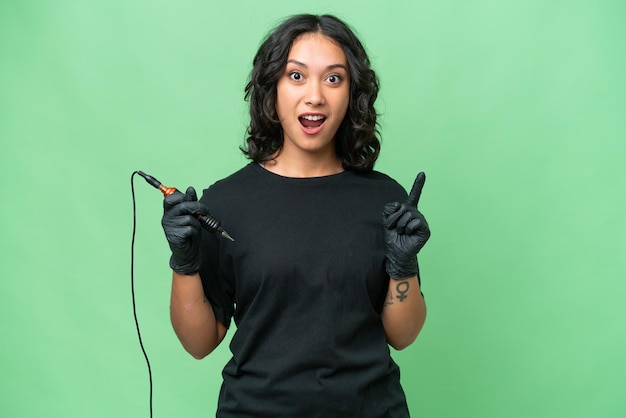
{"x":514,"y":109}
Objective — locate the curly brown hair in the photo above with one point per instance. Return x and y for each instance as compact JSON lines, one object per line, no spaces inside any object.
{"x":356,"y":140}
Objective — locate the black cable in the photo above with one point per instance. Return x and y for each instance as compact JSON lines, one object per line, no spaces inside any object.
{"x":132,"y":285}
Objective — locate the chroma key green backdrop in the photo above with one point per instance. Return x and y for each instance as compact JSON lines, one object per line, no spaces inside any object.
{"x":514,"y":109}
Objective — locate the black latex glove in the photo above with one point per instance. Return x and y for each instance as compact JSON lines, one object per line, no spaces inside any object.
{"x":406,"y":232}
{"x":183,"y":230}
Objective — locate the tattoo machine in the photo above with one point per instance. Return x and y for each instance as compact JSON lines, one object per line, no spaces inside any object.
{"x":208,"y":222}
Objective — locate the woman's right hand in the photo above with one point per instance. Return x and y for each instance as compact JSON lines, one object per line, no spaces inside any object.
{"x":182,"y":230}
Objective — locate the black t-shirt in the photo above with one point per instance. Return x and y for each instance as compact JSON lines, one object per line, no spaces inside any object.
{"x":305,"y":284}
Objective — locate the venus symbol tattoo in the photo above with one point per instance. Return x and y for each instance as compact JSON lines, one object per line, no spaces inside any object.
{"x":402,"y":288}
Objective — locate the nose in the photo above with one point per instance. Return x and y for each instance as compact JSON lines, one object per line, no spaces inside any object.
{"x":314,"y":94}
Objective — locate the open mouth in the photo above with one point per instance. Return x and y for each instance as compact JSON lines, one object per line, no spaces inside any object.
{"x":312,"y":121}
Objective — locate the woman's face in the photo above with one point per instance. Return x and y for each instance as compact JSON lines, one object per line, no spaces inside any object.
{"x":312,"y":96}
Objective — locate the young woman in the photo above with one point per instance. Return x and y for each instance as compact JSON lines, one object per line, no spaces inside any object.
{"x":322,"y":275}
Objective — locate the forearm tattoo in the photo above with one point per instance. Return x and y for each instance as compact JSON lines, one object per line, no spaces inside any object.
{"x":402,"y":290}
{"x":389,"y":298}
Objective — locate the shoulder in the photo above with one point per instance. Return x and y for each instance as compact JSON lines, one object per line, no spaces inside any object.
{"x":378,"y":183}
{"x":374,"y":176}
{"x":377,"y":178}
{"x":235,"y":182}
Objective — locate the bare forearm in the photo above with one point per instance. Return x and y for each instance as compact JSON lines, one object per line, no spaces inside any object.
{"x":404,"y":312}
{"x":192,"y":316}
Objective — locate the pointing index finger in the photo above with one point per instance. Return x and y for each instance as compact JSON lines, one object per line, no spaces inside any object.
{"x":416,"y":190}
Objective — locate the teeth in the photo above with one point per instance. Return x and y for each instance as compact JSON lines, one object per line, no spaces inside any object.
{"x":312,"y":117}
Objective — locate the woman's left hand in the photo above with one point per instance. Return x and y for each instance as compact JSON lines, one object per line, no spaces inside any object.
{"x":405,"y":231}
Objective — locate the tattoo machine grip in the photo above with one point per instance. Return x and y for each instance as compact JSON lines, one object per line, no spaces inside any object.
{"x":208,"y":222}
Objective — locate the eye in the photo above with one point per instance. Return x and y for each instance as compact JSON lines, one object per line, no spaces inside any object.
{"x":334,"y":79}
{"x":295,"y":76}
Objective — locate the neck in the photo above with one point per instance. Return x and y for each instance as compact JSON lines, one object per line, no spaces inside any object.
{"x":303,"y":168}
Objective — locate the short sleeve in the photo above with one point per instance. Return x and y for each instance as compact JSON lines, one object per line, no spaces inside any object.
{"x":217,"y":286}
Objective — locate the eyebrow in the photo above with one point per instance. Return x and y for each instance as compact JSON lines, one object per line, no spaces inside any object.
{"x":330,"y":67}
